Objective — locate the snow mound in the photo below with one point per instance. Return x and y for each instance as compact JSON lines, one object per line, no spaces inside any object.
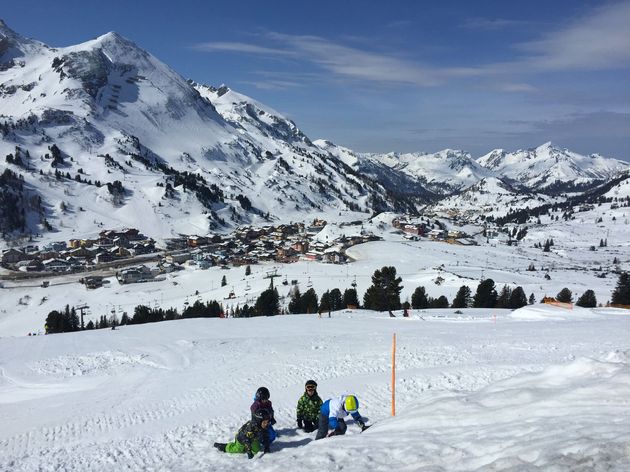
{"x":532,"y":421}
{"x":551,"y":312}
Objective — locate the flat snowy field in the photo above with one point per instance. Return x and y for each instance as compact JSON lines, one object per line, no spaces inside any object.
{"x":540,"y":388}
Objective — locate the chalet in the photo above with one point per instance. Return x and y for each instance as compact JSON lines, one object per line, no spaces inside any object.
{"x":334,"y":257}
{"x":81,"y":252}
{"x":300,"y":246}
{"x":176,"y":244}
{"x":312,"y":256}
{"x":94,"y":282}
{"x":177,"y":258}
{"x":11,"y":256}
{"x":415,"y":229}
{"x":196,"y":241}
{"x":146,"y":247}
{"x":55,"y":246}
{"x":121,"y":241}
{"x":104,"y":242}
{"x":57,"y":265}
{"x":102,"y":257}
{"x":135,"y":274}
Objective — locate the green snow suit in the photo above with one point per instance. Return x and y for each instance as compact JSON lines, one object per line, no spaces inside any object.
{"x":250,"y":438}
{"x":308,"y":408}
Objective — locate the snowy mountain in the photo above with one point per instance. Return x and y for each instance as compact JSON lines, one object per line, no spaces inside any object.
{"x":76,"y":119}
{"x":426,"y":174}
{"x":489,"y":196}
{"x":550,"y":169}
{"x":102,"y":134}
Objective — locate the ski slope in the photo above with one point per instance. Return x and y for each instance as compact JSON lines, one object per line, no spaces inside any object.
{"x":540,"y":388}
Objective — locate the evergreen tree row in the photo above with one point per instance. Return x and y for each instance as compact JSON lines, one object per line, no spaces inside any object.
{"x":384,"y":294}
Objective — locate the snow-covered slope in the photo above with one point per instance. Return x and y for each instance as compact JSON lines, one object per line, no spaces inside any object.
{"x":489,"y":196}
{"x":424,"y":174}
{"x":74,"y":119}
{"x":480,"y":391}
{"x":549,"y":168}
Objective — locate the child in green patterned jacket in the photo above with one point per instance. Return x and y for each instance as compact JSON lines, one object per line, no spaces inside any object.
{"x":308,"y":407}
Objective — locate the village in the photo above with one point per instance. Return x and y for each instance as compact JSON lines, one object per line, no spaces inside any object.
{"x":128,"y":249}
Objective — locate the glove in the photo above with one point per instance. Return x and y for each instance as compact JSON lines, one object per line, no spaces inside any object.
{"x":250,"y":455}
{"x":273,"y":421}
{"x":300,"y":423}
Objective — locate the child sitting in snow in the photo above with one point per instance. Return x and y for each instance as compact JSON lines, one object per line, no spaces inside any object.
{"x":308,"y":407}
{"x":252,"y":437}
{"x":261,"y":400}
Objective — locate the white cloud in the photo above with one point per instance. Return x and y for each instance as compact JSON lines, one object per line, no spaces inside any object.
{"x":599,"y":41}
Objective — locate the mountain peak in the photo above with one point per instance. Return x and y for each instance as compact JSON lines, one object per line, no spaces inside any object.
{"x":14,"y":45}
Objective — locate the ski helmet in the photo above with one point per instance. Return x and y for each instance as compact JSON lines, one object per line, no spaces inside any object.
{"x":310,"y":383}
{"x":262,"y":394}
{"x":261,"y":415}
{"x":351,"y":404}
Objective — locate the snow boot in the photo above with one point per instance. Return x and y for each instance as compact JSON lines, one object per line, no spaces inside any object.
{"x":220,"y":446}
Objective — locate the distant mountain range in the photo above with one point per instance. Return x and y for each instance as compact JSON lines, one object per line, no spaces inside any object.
{"x":103,"y":134}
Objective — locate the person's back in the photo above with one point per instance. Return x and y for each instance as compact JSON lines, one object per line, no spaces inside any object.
{"x":333,"y":412}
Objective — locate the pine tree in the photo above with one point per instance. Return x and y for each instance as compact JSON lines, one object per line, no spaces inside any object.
{"x":517,"y":298}
{"x":324,"y":302}
{"x":248,"y":270}
{"x":621,"y":294}
{"x":440,"y":302}
{"x":503,"y":300}
{"x":463,"y":298}
{"x":268,"y":303}
{"x":419,"y":299}
{"x":486,"y":295}
{"x":309,"y":301}
{"x":336,"y":300}
{"x":384,"y":293}
{"x":587,"y":300}
{"x":295,"y":305}
{"x":350,"y":298}
{"x":565,"y":296}
{"x":223,"y":281}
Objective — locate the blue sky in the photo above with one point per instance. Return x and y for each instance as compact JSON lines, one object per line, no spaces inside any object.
{"x":389,"y":76}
